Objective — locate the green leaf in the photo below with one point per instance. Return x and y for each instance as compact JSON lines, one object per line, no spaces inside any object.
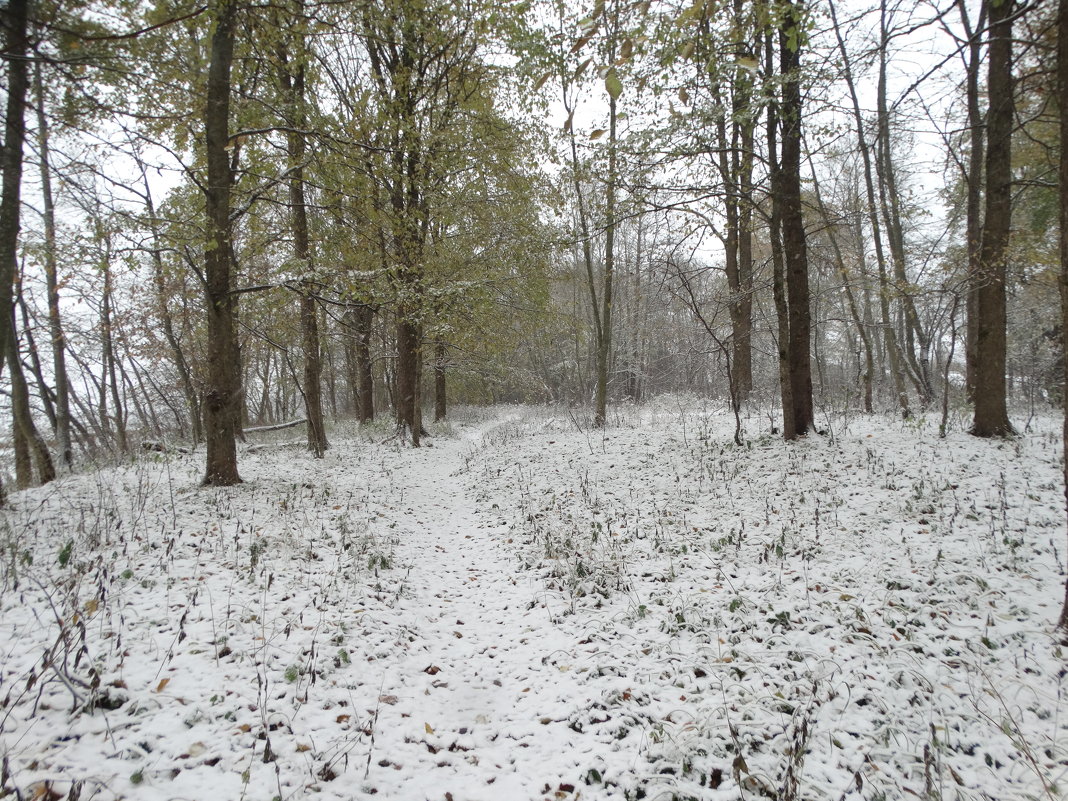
{"x":613,"y":84}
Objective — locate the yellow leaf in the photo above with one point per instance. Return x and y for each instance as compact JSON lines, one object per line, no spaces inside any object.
{"x":687,"y":50}
{"x":429,"y":730}
{"x":598,"y":133}
{"x":91,"y":606}
{"x":162,"y":685}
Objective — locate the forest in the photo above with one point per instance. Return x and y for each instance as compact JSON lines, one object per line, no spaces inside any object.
{"x":682,"y":380}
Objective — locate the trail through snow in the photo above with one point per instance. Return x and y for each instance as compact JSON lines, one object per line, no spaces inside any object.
{"x":473,"y":690}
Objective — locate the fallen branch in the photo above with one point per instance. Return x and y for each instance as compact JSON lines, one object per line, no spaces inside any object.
{"x":276,"y":426}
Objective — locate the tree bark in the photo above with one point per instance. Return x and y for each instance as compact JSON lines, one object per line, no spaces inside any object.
{"x":991,"y":409}
{"x":221,"y":401}
{"x":604,"y":342}
{"x":55,"y":325}
{"x":108,"y":357}
{"x":21,"y":412}
{"x":1062,"y":95}
{"x":782,"y":311}
{"x":793,"y":225}
{"x":974,"y":181}
{"x":441,"y":356}
{"x":292,"y":79}
{"x":14,"y":20}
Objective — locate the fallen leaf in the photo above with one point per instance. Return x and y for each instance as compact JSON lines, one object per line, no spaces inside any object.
{"x":388,"y":699}
{"x":433,"y":670}
{"x":162,"y":685}
{"x":429,"y":728}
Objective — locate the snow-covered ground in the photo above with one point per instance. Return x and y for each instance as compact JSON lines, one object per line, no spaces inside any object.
{"x":530,"y":609}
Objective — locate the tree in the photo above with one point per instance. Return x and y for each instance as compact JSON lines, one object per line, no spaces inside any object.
{"x":1062,"y":103}
{"x":16,"y":46}
{"x":222,"y":398}
{"x":991,"y":411}
{"x":786,"y":194}
{"x":291,"y":76}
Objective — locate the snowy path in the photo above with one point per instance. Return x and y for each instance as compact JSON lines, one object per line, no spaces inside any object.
{"x":485,"y":687}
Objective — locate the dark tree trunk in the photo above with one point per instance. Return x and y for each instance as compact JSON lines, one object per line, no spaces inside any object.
{"x":409,"y":354}
{"x":1062,"y":94}
{"x":782,"y":311}
{"x":991,"y":410}
{"x":793,"y":226}
{"x":365,"y":376}
{"x":974,"y":181}
{"x":292,"y":79}
{"x":604,"y":342}
{"x":889,"y":200}
{"x":441,"y":356}
{"x":740,"y":218}
{"x":16,"y":45}
{"x":221,"y":401}
{"x":109,"y":358}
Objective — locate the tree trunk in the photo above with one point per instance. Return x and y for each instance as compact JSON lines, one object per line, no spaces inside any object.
{"x":21,"y":412}
{"x":604,"y":342}
{"x":55,"y":326}
{"x":409,"y":354}
{"x":1062,"y":94}
{"x":292,"y":79}
{"x":221,"y":401}
{"x":793,"y":225}
{"x":441,"y":355}
{"x":890,"y":206}
{"x":974,"y":181}
{"x":22,"y":458}
{"x":108,"y":357}
{"x":854,"y":309}
{"x":893,"y":351}
{"x":782,"y":311}
{"x":163,"y":299}
{"x":991,"y":410}
{"x":14,"y":54}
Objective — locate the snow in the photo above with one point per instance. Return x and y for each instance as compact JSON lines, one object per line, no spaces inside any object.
{"x":532,"y":609}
